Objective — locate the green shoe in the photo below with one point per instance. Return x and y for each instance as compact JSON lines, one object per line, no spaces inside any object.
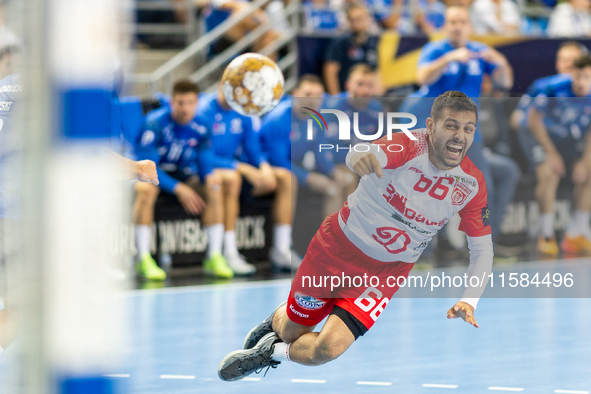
{"x":217,"y":266}
{"x":148,"y":269}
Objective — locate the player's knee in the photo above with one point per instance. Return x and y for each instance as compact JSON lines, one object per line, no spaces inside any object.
{"x":546,"y":176}
{"x":232,"y":183}
{"x":283,"y":177}
{"x":146,"y":193}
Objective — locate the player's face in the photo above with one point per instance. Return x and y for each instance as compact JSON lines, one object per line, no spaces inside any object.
{"x":309,"y":95}
{"x":183,"y":107}
{"x":450,"y":137}
{"x":361,"y":85}
{"x":457,"y":25}
{"x":582,"y":82}
{"x":358,"y":20}
{"x":565,"y":58}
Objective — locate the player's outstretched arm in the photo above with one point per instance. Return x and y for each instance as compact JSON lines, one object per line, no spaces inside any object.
{"x":365,"y":163}
{"x":463,"y":310}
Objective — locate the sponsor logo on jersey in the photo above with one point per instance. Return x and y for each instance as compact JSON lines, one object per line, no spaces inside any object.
{"x":5,"y":106}
{"x":309,"y":302}
{"x":11,"y":89}
{"x":485,"y":216}
{"x":415,"y":170}
{"x":399,"y":202}
{"x":393,"y":239}
{"x":410,"y":225}
{"x":459,"y":194}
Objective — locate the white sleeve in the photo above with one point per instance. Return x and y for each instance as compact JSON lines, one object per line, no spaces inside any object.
{"x":481,"y":260}
{"x":375,"y":149}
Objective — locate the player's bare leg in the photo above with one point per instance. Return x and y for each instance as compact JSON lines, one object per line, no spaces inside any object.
{"x":577,"y":238}
{"x":7,"y":327}
{"x":213,"y":221}
{"x":146,"y":195}
{"x":281,"y":254}
{"x":231,"y":186}
{"x":547,"y":184}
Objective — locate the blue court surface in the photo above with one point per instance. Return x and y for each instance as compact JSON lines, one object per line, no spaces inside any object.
{"x":530,"y":345}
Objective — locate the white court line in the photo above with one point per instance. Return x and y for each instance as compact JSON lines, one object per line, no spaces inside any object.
{"x":308,"y":381}
{"x":177,"y":377}
{"x":362,"y":383}
{"x":441,"y":386}
{"x":247,"y":379}
{"x":571,"y":392}
{"x":506,"y":388}
{"x":116,"y":375}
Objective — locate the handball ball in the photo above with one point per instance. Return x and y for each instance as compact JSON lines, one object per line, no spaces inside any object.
{"x":252,"y":84}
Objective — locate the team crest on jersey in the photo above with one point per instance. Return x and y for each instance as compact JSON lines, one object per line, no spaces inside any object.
{"x":309,"y":302}
{"x":460,"y":194}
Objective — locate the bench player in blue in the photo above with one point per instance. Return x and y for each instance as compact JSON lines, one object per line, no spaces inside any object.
{"x":237,"y":149}
{"x":559,"y":122}
{"x":180,"y":144}
{"x":360,"y":88}
{"x":566,"y":55}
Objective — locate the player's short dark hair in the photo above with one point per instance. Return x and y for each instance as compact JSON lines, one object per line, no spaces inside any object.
{"x":455,"y":101}
{"x":361,"y":68}
{"x":582,"y":62}
{"x":574,"y":44}
{"x":310,"y":78}
{"x":184,"y":86}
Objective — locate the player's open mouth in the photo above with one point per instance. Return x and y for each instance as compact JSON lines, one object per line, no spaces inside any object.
{"x":454,"y":150}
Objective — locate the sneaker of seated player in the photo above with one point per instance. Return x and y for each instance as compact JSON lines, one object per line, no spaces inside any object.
{"x":576,"y":244}
{"x":255,"y":335}
{"x":547,"y":246}
{"x":242,"y":363}
{"x":147,"y":268}
{"x":239,"y":265}
{"x":284,"y":259}
{"x":217,"y":266}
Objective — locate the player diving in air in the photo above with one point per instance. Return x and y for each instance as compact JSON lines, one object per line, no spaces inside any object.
{"x":409,"y":189}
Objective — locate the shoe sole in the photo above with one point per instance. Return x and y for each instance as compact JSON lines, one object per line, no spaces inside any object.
{"x":226,"y":362}
{"x":251,"y":332}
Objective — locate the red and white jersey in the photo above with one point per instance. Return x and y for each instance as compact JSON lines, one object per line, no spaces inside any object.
{"x":394,"y":218}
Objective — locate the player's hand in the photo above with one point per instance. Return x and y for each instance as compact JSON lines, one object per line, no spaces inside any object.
{"x":492,"y":56}
{"x":189,"y":199}
{"x":322,"y":184}
{"x":461,"y":55}
{"x":145,"y":171}
{"x":365,"y":163}
{"x":556,"y":163}
{"x":463,"y":310}
{"x":580,"y":171}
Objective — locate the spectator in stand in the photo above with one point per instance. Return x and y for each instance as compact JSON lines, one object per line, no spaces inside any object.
{"x":571,"y":19}
{"x":361,"y":87}
{"x":237,"y":149}
{"x":220,"y":10}
{"x":430,"y":16}
{"x":344,"y":52}
{"x":393,"y":15}
{"x":180,"y":145}
{"x":568,"y":52}
{"x":319,"y":16}
{"x":495,"y":17}
{"x":287,"y":122}
{"x":560,"y":144}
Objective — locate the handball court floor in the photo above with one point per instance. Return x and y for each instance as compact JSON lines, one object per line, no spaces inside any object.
{"x":179,"y":336}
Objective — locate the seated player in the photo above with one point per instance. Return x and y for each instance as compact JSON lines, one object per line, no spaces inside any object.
{"x":403,"y":199}
{"x":360,"y":88}
{"x":565,"y":58}
{"x":180,"y":145}
{"x":558,"y":143}
{"x":237,"y":150}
